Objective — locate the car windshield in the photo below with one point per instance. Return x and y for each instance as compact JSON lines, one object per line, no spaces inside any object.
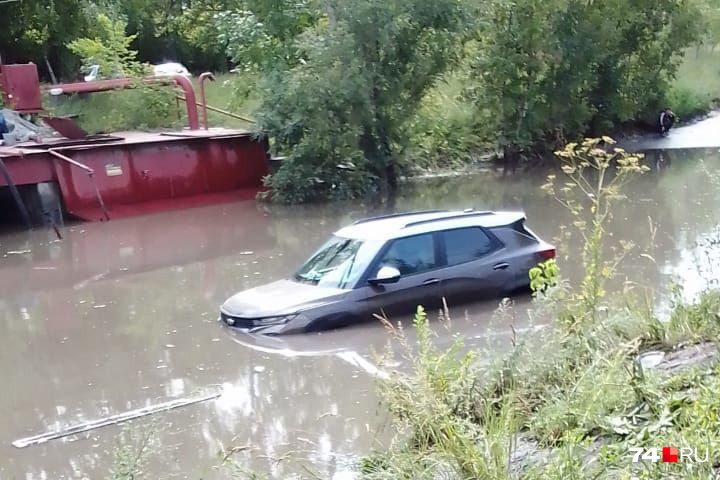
{"x":338,"y":263}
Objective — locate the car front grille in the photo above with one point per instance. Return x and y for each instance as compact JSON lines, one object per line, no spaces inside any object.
{"x":239,"y":321}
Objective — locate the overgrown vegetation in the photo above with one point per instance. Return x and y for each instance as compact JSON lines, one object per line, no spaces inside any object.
{"x":148,"y":106}
{"x":531,"y":74}
{"x":570,"y":400}
{"x":342,"y":114}
{"x":555,"y":70}
{"x":697,"y":87}
{"x":134,"y":448}
{"x":357,"y":94}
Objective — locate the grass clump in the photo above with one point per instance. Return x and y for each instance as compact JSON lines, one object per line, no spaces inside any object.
{"x":135,"y":446}
{"x":447,"y":427}
{"x":144,"y":108}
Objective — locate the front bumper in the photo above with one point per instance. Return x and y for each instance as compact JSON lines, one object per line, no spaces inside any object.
{"x":254,"y":325}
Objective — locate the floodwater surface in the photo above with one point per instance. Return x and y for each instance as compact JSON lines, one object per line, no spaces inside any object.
{"x":122,"y":315}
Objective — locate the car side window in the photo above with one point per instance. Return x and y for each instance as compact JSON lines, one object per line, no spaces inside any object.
{"x":466,"y":245}
{"x":411,"y":255}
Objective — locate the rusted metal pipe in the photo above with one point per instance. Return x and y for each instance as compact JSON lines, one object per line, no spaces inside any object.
{"x":191,"y":103}
{"x":115,"y":83}
{"x":224,"y":112}
{"x":90,"y":173}
{"x":203,"y":77}
{"x":89,"y":87}
{"x":69,"y":160}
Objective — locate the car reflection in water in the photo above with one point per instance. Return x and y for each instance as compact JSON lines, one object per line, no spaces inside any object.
{"x":305,"y":346}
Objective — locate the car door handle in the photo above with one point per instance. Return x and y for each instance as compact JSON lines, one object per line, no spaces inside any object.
{"x":501,"y":266}
{"x":431,"y":281}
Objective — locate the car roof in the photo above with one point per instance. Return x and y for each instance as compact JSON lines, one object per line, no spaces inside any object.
{"x":414,"y":223}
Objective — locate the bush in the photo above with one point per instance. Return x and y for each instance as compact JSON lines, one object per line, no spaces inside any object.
{"x":447,"y":132}
{"x":687,"y":103}
{"x":361,"y":80}
{"x":550,"y":70}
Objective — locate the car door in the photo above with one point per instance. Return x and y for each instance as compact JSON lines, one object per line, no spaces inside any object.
{"x":476,"y":265}
{"x":416,"y":257}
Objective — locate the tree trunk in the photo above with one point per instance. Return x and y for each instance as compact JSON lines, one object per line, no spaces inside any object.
{"x":50,"y":69}
{"x":391,"y":176}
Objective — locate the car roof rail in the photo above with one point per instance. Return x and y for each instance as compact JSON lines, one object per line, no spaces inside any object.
{"x":465,"y":214}
{"x":395,"y":215}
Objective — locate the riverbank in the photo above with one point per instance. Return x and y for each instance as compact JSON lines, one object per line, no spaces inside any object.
{"x":561,"y":404}
{"x":614,"y":371}
{"x":699,"y":134}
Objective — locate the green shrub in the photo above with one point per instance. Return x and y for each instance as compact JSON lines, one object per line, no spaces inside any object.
{"x":687,"y":103}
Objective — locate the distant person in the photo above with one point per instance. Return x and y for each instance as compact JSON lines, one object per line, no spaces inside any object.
{"x":666,"y":120}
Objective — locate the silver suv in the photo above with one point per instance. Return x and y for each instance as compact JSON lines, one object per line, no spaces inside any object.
{"x":391,"y":264}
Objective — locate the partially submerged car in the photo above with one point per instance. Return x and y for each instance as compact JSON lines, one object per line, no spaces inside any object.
{"x":391,"y":264}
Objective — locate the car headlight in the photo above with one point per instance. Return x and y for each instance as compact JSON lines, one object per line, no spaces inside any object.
{"x":262,"y":322}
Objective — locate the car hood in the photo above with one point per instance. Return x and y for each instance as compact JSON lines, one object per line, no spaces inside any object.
{"x":283,"y":297}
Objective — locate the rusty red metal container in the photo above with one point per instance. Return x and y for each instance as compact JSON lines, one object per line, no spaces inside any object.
{"x":141,"y":173}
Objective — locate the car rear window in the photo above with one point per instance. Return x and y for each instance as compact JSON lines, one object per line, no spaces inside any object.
{"x":466,"y":245}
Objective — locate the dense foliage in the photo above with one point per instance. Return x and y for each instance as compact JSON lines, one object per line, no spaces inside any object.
{"x":556,"y":69}
{"x":342,"y":112}
{"x":354,"y":93}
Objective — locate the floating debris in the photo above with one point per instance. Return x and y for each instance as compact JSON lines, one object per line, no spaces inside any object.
{"x":247,"y":252}
{"x":113,"y":420}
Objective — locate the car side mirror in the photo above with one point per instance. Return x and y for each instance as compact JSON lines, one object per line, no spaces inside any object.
{"x":385,"y":275}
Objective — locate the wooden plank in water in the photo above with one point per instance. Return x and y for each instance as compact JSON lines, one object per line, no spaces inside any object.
{"x":113,"y":420}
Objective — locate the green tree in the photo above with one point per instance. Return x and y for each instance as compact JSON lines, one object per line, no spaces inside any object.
{"x":148,"y":106}
{"x":341,"y":114}
{"x":263,"y":32}
{"x":110,"y":49}
{"x":172,"y":30}
{"x":38,"y":30}
{"x":550,"y":69}
{"x":711,"y":15}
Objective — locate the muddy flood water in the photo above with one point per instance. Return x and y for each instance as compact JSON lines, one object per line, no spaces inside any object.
{"x":122,"y":315}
